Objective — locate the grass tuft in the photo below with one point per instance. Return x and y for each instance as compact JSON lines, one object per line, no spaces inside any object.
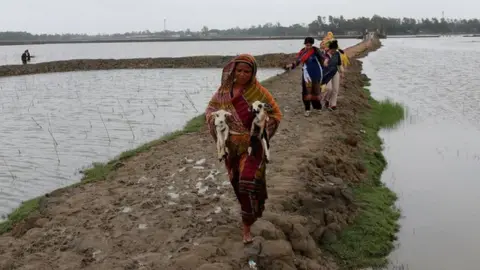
{"x":20,"y":214}
{"x":369,"y":240}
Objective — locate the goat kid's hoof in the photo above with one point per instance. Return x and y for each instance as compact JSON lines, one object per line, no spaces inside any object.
{"x":224,"y":157}
{"x":249,"y":151}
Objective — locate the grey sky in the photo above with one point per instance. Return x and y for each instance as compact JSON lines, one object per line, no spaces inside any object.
{"x":108,"y":16}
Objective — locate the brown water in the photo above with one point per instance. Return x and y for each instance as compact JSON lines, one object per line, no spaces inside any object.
{"x":52,"y":52}
{"x":51,"y":124}
{"x":434,"y":155}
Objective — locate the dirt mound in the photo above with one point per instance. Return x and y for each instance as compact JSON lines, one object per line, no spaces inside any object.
{"x":274,"y":60}
{"x":172,"y":207}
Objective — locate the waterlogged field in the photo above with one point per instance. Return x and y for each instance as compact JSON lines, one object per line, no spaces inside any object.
{"x":10,"y":55}
{"x":434,"y":155}
{"x":52,"y":125}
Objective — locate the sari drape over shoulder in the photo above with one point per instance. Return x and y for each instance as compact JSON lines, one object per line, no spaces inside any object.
{"x":247,"y":172}
{"x":311,"y":60}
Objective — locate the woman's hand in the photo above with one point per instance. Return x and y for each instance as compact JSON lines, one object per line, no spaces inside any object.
{"x":289,"y":66}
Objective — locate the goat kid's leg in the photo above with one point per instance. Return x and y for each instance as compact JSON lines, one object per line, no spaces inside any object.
{"x":227,"y":132}
{"x":220,"y":153}
{"x":252,"y":129}
{"x":266,"y":150}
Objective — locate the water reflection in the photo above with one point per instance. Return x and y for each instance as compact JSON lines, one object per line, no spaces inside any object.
{"x":51,"y":125}
{"x":434,"y":156}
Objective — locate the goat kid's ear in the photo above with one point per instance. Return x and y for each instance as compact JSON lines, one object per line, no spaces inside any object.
{"x":228,"y":113}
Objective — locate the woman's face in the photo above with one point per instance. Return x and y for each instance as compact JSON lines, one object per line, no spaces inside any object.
{"x":243,"y":73}
{"x":308,"y":45}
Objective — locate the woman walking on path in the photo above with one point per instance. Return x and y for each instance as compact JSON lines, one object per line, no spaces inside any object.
{"x":311,"y":59}
{"x":239,"y":89}
{"x":333,"y":72}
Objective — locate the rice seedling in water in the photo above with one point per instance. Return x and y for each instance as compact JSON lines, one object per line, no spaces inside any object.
{"x":9,"y":170}
{"x":156,"y":103}
{"x":32,"y":103}
{"x":190,"y":100}
{"x":55,"y":143}
{"x":50,"y":130}
{"x":151,"y":111}
{"x":36,"y":123}
{"x":128,"y":122}
{"x":105,"y":126}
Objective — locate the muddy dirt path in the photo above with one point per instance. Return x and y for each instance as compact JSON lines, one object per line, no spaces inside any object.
{"x":173,"y":207}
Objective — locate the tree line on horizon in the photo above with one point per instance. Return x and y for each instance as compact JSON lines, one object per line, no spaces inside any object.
{"x":338,"y":25}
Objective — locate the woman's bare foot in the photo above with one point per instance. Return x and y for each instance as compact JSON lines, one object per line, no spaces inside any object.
{"x":247,"y":236}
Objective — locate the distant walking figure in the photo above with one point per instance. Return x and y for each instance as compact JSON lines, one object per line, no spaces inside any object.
{"x":311,"y":58}
{"x":332,"y":75}
{"x":238,"y":91}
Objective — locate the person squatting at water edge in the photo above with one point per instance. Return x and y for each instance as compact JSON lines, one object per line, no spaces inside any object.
{"x":312,"y":59}
{"x":239,"y":89}
{"x":25,"y":57}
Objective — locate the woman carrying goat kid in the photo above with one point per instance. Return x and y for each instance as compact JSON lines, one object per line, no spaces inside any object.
{"x":238,"y":91}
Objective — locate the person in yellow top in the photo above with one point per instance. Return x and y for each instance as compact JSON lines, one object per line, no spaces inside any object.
{"x":324,"y":46}
{"x":326,"y":39}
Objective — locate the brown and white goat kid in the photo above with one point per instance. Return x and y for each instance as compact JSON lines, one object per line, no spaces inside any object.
{"x":259,"y":109}
{"x":222,"y":130}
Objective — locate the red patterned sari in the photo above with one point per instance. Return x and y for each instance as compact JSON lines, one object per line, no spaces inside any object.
{"x":246,"y":172}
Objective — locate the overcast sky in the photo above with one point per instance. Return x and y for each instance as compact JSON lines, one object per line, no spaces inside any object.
{"x":110,"y":16}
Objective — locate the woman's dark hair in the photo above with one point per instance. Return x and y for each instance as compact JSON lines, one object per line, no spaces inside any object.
{"x":333,"y":45}
{"x":309,"y":40}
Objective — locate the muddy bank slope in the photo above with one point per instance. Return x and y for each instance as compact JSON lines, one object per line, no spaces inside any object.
{"x":169,"y":205}
{"x":274,"y":60}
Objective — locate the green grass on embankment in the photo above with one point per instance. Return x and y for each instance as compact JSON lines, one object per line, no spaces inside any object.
{"x":98,"y":172}
{"x":369,"y":240}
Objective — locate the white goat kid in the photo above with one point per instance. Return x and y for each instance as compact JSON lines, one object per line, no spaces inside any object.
{"x":260,"y":121}
{"x":222,"y":130}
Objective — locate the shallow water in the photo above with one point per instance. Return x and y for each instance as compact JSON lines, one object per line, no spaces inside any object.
{"x":136,"y":106}
{"x":10,"y":55}
{"x":434,"y":155}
